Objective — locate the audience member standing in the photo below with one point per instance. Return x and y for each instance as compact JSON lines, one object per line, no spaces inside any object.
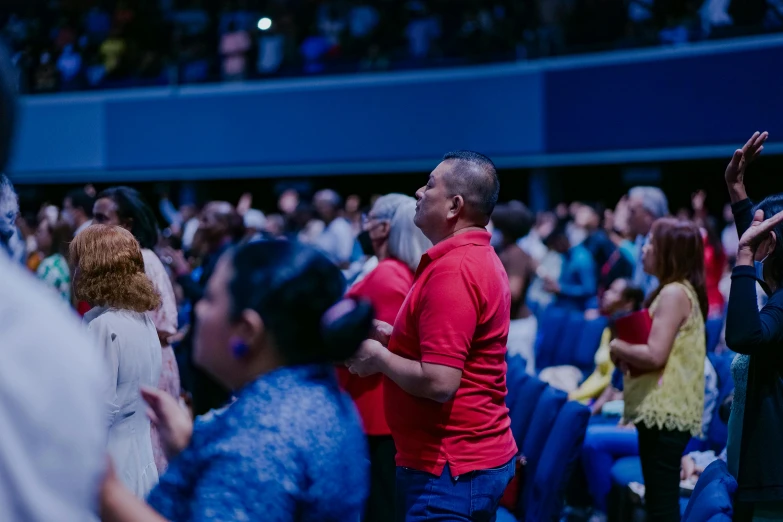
{"x":219,"y":228}
{"x":123,"y":206}
{"x":52,"y":240}
{"x":577,"y":284}
{"x":445,"y":363}
{"x":337,"y":239}
{"x":756,"y":421}
{"x":11,"y":242}
{"x":77,"y":210}
{"x":645,"y":205}
{"x":109,"y":275}
{"x":50,"y":402}
{"x":664,"y":379}
{"x":398,"y":245}
{"x":50,"y":405}
{"x":513,"y":221}
{"x":290,"y":447}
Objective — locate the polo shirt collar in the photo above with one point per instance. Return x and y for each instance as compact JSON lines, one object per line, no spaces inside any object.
{"x":474,"y":237}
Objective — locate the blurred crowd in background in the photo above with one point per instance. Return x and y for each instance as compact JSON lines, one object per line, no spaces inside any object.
{"x":61,"y":45}
{"x":582,"y":246}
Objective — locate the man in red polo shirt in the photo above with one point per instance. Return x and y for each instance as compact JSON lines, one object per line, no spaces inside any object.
{"x":445,"y":369}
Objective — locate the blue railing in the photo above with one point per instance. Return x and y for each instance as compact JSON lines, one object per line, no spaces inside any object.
{"x":649,"y":105}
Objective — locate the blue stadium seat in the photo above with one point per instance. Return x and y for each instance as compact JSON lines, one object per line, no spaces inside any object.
{"x":584,"y":356}
{"x":712,"y":498}
{"x":544,"y":493}
{"x":565,"y":351}
{"x":551,"y":326}
{"x":717,"y":432}
{"x":549,"y":431}
{"x":526,"y":391}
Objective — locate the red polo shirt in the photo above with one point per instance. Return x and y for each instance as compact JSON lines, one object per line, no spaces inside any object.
{"x":386,"y":288}
{"x":456,"y":314}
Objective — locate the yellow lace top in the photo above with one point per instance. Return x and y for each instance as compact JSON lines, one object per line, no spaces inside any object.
{"x":673,"y":398}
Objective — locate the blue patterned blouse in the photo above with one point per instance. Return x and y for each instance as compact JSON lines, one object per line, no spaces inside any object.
{"x":289,"y":448}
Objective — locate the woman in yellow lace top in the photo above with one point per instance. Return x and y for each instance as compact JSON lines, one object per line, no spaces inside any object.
{"x":664,"y":379}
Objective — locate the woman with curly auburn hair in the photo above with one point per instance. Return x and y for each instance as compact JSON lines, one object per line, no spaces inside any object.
{"x":109,"y":275}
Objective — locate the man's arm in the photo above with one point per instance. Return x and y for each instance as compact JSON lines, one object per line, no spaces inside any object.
{"x":429,"y":381}
{"x":446,"y":324}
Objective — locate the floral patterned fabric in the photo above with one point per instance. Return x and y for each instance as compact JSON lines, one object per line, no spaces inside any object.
{"x":54,"y":272}
{"x":165,"y":320}
{"x":290,"y":448}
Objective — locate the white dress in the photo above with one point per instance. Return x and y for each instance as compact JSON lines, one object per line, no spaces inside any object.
{"x":131,"y":350}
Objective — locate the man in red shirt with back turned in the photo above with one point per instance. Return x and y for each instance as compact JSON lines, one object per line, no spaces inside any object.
{"x":444,"y":368}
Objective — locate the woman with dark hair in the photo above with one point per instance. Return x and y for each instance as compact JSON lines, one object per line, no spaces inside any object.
{"x":109,"y":275}
{"x":756,"y":422}
{"x":52,"y":240}
{"x":664,"y":378}
{"x":124,"y":207}
{"x":290,"y":447}
{"x":513,"y":221}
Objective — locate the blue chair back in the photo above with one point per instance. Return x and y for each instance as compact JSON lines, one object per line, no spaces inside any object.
{"x":718,"y":431}
{"x":528,"y":392}
{"x":588,"y":344}
{"x":550,"y":331}
{"x":535,"y":438}
{"x":565,"y":353}
{"x":545,"y":486}
{"x":712,"y":498}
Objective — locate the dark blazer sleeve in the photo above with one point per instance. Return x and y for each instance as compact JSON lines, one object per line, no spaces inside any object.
{"x":743,"y":215}
{"x":748,"y":330}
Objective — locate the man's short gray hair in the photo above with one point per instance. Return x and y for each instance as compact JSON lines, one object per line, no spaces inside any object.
{"x":653,"y":200}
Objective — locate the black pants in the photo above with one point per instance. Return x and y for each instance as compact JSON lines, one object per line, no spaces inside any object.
{"x":383,"y":476}
{"x":661,"y":452}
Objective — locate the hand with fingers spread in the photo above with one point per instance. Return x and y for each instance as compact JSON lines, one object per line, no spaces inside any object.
{"x":760,"y":237}
{"x":735,"y":171}
{"x":174,"y":423}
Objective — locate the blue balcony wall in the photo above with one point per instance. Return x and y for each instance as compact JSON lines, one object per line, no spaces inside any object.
{"x":650,"y":105}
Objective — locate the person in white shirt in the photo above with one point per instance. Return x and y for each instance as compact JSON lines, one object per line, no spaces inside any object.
{"x":52,"y":452}
{"x":337,"y":239}
{"x":109,"y":275}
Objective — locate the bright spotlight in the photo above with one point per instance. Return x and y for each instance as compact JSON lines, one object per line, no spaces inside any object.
{"x":264,"y":24}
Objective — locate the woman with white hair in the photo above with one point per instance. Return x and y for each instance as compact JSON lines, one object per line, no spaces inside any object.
{"x":398,"y":244}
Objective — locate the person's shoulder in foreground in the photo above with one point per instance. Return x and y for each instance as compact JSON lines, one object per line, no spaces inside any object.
{"x":49,"y":405}
{"x":289,"y":448}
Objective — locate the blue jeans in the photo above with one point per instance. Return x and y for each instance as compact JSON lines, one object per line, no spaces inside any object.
{"x":602,"y":447}
{"x":473,"y":497}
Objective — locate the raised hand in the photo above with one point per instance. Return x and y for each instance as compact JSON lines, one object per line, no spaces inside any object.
{"x":697,"y":200}
{"x":735,"y":171}
{"x":761,"y":232}
{"x":174,"y":424}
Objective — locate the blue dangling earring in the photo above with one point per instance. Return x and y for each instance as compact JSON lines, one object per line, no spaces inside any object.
{"x":239,"y":348}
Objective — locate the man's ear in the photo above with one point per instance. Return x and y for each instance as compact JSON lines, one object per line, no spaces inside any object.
{"x":457,"y":206}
